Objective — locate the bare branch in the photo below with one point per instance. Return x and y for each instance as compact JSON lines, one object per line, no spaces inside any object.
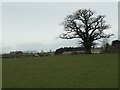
{"x":85,"y":25}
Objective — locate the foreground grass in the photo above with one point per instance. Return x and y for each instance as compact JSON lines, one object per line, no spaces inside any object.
{"x":0,"y":73}
{"x":78,"y":71}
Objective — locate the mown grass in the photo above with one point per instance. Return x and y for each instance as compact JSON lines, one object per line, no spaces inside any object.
{"x":77,"y":71}
{"x":0,"y":73}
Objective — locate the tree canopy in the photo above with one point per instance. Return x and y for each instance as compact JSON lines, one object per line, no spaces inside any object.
{"x":87,"y":26}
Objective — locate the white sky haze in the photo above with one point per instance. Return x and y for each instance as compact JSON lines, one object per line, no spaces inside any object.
{"x":36,"y":25}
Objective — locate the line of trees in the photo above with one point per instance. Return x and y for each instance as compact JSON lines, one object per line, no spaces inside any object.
{"x":106,"y":48}
{"x":67,"y":49}
{"x":113,"y":48}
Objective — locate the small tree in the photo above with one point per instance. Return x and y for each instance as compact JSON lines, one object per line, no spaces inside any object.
{"x":85,"y":25}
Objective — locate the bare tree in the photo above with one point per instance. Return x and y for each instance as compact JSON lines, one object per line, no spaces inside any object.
{"x":104,"y":43}
{"x":85,"y":25}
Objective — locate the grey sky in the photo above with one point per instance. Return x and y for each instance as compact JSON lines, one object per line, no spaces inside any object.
{"x":35,"y":26}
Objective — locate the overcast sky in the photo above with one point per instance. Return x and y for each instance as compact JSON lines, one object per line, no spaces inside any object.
{"x":36,"y":26}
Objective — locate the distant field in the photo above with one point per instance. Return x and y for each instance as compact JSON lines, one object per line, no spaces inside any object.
{"x":77,"y":71}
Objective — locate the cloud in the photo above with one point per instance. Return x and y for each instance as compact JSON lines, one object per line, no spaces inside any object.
{"x":29,"y":46}
{"x":38,"y":46}
{"x":45,"y":46}
{"x":6,"y":49}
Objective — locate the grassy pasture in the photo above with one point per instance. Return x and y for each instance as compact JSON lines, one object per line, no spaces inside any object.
{"x":77,"y":71}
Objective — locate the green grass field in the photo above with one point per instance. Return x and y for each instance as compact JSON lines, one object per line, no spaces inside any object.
{"x":77,"y":71}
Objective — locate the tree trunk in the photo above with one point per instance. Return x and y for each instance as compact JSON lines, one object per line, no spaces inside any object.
{"x":88,"y":50}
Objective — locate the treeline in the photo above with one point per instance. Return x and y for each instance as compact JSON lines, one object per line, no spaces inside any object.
{"x":107,"y":48}
{"x":67,"y":49}
{"x":113,"y":48}
{"x":19,"y":54}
